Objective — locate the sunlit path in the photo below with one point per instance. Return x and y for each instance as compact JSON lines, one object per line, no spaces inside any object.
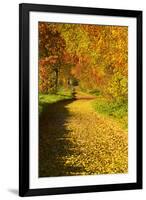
{"x":75,"y":140}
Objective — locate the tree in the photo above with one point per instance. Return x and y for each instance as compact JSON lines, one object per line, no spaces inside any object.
{"x":51,"y":46}
{"x":95,"y":56}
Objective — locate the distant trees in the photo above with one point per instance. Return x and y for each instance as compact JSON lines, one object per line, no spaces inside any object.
{"x":95,"y":56}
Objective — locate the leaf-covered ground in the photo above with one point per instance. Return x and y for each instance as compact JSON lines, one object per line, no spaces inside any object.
{"x":76,"y":140}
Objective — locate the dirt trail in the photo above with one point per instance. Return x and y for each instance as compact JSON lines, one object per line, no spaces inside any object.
{"x":75,"y":140}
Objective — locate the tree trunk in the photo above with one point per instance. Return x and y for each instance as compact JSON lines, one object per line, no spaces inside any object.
{"x":56,"y":79}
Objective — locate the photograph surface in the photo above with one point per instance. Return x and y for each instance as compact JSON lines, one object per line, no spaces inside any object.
{"x":83,"y":99}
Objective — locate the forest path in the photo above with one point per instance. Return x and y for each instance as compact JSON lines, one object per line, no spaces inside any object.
{"x":75,"y":140}
{"x":82,"y":95}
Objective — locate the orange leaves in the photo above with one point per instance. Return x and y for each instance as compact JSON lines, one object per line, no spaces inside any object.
{"x":95,"y":55}
{"x":51,"y":49}
{"x":50,"y":41}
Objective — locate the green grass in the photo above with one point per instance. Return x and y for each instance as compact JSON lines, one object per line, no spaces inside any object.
{"x":95,"y":92}
{"x":117,"y":110}
{"x":52,"y":98}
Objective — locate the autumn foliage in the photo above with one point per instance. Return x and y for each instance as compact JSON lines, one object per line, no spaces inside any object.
{"x":95,"y":56}
{"x":83,"y":99}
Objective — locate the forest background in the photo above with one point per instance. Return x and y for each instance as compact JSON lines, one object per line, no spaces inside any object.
{"x":82,"y":60}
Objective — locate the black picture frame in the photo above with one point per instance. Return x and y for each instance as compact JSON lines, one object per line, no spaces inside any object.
{"x":24,"y":173}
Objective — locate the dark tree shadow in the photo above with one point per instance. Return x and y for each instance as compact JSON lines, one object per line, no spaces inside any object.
{"x":54,"y":143}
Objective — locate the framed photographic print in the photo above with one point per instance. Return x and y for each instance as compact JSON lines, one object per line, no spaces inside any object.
{"x":80,"y":100}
